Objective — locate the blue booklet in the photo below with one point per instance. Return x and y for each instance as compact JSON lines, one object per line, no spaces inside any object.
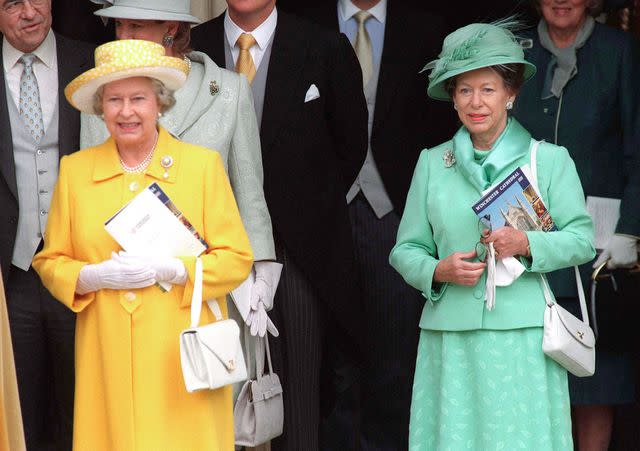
{"x":514,"y":202}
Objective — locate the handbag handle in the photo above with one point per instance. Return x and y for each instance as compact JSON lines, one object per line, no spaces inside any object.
{"x":548,"y":295}
{"x":261,"y":346}
{"x":196,"y":298}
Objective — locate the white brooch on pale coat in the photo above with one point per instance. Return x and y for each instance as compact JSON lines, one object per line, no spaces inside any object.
{"x":449,"y":158}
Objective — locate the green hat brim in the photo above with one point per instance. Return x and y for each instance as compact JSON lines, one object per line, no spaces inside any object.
{"x":436,"y":89}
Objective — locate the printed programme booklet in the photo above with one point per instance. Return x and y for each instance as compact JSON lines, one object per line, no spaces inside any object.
{"x":514,"y":202}
{"x":151,"y":225}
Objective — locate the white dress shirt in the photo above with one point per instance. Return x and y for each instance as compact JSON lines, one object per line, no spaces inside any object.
{"x":45,"y":67}
{"x":262,"y":34}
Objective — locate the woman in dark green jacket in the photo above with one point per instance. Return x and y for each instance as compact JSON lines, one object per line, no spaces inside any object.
{"x":586,"y":97}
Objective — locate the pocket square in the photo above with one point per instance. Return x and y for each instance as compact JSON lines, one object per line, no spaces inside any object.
{"x":312,"y":94}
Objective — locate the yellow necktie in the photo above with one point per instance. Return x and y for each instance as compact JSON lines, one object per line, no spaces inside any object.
{"x":245,"y":65}
{"x":362,"y":46}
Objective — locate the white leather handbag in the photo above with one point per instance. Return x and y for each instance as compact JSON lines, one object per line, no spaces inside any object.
{"x":211,"y":356}
{"x":566,"y":339}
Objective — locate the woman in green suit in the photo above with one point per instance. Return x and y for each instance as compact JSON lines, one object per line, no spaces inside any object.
{"x":482,"y":380}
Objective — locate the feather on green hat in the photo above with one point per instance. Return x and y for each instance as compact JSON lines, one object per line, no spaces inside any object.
{"x":473,"y":47}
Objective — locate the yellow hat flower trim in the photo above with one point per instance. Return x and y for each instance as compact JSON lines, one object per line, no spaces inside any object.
{"x":117,"y":60}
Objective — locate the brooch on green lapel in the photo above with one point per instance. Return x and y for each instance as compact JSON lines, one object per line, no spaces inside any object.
{"x":449,"y":158}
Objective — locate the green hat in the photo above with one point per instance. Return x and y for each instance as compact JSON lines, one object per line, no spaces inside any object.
{"x":473,"y":47}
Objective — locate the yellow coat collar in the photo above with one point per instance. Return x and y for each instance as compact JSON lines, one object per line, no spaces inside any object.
{"x":107,"y":162}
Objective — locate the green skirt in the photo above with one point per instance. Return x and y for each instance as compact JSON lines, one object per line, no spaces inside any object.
{"x":488,"y":390}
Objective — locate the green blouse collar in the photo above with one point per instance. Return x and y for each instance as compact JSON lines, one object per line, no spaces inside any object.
{"x":510,"y":146}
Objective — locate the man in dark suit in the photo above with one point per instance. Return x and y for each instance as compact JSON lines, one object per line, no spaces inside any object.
{"x":393,"y":42}
{"x":312,"y":114}
{"x":38,"y":127}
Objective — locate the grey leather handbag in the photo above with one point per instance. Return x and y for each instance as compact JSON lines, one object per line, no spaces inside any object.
{"x":259,"y":412}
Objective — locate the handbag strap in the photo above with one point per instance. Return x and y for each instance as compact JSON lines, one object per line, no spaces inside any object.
{"x":261,"y":346}
{"x":548,"y":295}
{"x":266,"y":342}
{"x":196,"y":298}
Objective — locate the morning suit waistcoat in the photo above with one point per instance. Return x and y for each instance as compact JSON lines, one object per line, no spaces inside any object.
{"x":369,"y":180}
{"x":36,"y":174}
{"x":259,"y":83}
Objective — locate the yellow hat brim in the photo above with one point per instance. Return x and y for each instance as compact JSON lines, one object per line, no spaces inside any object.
{"x":172,"y":72}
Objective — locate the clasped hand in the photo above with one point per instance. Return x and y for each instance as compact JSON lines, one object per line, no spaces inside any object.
{"x":507,"y":242}
{"x":458,"y":268}
{"x":124,"y":271}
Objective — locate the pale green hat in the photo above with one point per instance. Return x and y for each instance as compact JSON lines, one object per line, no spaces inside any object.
{"x":473,"y":47}
{"x":178,"y":10}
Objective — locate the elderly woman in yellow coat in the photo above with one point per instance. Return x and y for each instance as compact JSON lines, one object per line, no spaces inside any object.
{"x":129,"y":389}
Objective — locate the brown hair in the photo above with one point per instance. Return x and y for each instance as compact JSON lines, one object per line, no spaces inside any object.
{"x":182,"y":39}
{"x":512,"y":75}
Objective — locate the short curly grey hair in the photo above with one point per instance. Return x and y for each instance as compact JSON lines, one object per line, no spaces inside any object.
{"x":164,"y":95}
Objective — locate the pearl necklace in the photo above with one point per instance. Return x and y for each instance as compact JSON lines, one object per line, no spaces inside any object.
{"x":143,"y":164}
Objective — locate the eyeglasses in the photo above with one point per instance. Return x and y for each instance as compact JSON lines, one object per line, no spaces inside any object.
{"x":16,"y":6}
{"x":481,"y":248}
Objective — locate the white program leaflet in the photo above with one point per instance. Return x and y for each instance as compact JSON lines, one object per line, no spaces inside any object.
{"x":605,"y":212}
{"x":151,"y":225}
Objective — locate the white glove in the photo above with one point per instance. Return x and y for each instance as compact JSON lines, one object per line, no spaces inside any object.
{"x":259,"y":322}
{"x":507,"y":271}
{"x":115,"y":275}
{"x":621,"y":252}
{"x":168,"y":269}
{"x":490,"y":282}
{"x":266,"y":283}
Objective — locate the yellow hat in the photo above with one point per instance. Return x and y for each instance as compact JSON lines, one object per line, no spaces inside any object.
{"x":126,"y":58}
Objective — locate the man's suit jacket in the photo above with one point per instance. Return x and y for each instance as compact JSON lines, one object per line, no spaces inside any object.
{"x":405,"y":119}
{"x":311,"y":151}
{"x":74,"y":57}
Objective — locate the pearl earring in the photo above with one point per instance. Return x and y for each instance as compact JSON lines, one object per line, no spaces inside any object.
{"x":509,"y":105}
{"x":455,"y":107}
{"x":159,"y":114}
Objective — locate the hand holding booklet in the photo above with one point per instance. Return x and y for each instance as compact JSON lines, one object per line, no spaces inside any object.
{"x":513,"y":202}
{"x":151,"y":225}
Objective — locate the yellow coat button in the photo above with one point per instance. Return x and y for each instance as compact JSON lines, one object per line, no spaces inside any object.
{"x":133,"y":186}
{"x":130,"y":296}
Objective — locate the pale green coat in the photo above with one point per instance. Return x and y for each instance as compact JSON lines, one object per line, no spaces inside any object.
{"x":214,"y":109}
{"x":438,"y":221}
